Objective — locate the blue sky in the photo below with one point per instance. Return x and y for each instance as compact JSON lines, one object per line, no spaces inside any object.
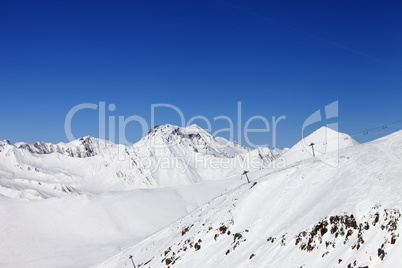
{"x":277,"y":57}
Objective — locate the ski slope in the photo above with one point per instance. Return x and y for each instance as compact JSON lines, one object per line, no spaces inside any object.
{"x":310,"y":214}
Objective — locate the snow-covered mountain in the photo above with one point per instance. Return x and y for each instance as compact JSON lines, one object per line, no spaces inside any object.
{"x":324,"y":140}
{"x":81,"y":148}
{"x":194,"y":137}
{"x":307,"y":215}
{"x":101,"y":203}
{"x":167,"y":156}
{"x":159,"y":137}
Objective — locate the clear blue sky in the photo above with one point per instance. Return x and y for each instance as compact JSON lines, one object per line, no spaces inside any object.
{"x":276,"y":57}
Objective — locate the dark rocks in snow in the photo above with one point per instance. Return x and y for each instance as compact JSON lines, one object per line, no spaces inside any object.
{"x":237,"y":240}
{"x":344,"y":227}
{"x":223,"y":229}
{"x":186,"y":229}
{"x":283,"y":240}
{"x":381,"y":252}
{"x":271,"y":239}
{"x":393,"y":238}
{"x":376,"y":218}
{"x":237,"y":236}
{"x":350,"y":265}
{"x":392,"y":216}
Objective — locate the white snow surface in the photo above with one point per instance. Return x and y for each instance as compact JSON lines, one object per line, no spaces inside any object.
{"x":80,"y":230}
{"x":83,"y":204}
{"x":310,"y":214}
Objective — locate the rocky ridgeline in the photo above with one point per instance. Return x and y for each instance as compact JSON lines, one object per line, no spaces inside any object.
{"x":345,"y":230}
{"x":86,"y":148}
{"x":193,"y":137}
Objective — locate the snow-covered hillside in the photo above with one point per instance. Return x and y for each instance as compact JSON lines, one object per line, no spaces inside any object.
{"x":167,"y":156}
{"x":310,"y":214}
{"x":80,"y":230}
{"x":99,"y":203}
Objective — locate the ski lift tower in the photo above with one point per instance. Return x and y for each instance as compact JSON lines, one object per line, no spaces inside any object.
{"x":245,"y":173}
{"x":131,"y":258}
{"x":312,"y":147}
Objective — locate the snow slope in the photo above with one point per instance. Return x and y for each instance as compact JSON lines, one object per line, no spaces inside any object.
{"x":310,"y":214}
{"x":77,"y":231}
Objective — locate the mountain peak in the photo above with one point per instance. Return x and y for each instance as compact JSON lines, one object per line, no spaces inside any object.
{"x":325,"y":134}
{"x":8,"y":142}
{"x":325,"y":129}
{"x":194,"y":126}
{"x":324,"y":140}
{"x":191,"y":137}
{"x":168,"y":130}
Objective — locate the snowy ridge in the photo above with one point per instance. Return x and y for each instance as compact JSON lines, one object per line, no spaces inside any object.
{"x":81,"y":148}
{"x":194,"y":137}
{"x":167,"y":156}
{"x":307,"y":215}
